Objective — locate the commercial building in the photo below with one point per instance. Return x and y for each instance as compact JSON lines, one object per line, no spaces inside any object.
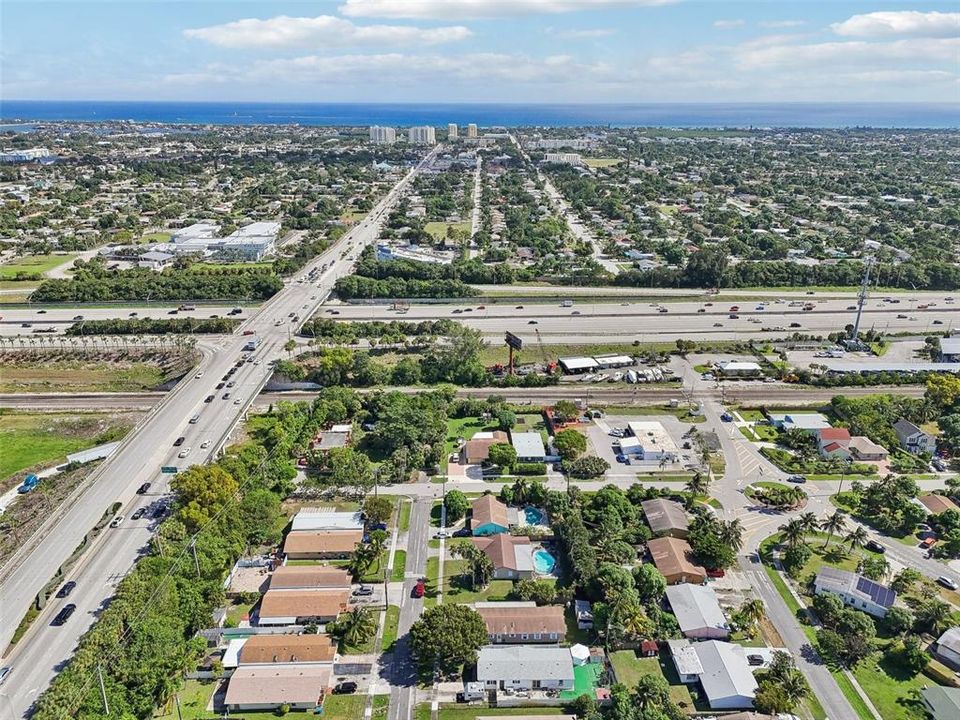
{"x":666,"y":517}
{"x":26,"y":155}
{"x":913,"y":439}
{"x":855,"y":590}
{"x":321,"y":544}
{"x":698,"y":612}
{"x":738,"y":368}
{"x":452,"y":131}
{"x":155,"y":260}
{"x":488,"y":516}
{"x":522,"y":622}
{"x":477,"y":449}
{"x":382,"y":135}
{"x":423,"y":135}
{"x":558,"y":143}
{"x":263,"y":689}
{"x":653,"y":442}
{"x":574,"y":365}
{"x":529,"y":446}
{"x":512,"y":557}
{"x":251,"y":242}
{"x":809,"y":422}
{"x":950,"y":349}
{"x":563,"y":158}
{"x":721,"y":668}
{"x":472,"y":130}
{"x":673,"y":558}
{"x":525,"y":667}
{"x":300,"y":607}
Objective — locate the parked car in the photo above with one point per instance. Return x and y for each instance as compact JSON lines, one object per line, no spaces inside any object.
{"x":142,"y":490}
{"x":946,"y":582}
{"x":117,"y":521}
{"x":875,"y":546}
{"x":63,"y":615}
{"x":138,"y":513}
{"x":345,"y":688}
{"x":419,"y":589}
{"x":66,"y":589}
{"x":363,"y":590}
{"x":462,"y":532}
{"x":441,"y":534}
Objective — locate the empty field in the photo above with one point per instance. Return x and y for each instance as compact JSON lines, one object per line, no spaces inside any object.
{"x":33,"y":265}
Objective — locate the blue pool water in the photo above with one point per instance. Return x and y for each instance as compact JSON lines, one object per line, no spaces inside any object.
{"x":543,"y":562}
{"x":534,"y":516}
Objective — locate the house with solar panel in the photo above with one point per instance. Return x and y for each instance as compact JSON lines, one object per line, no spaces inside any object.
{"x":855,"y":591}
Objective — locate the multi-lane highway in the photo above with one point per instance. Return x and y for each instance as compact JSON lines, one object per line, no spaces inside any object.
{"x":37,"y":656}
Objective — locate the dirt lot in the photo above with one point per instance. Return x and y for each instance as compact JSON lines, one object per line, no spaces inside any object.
{"x":52,"y":371}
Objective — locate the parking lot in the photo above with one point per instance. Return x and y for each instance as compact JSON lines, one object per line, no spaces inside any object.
{"x":598,"y":433}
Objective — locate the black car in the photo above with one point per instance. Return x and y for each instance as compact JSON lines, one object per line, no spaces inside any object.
{"x":208,"y":399}
{"x":875,"y":546}
{"x":138,"y":513}
{"x":66,"y":589}
{"x":462,"y":532}
{"x":63,"y":615}
{"x":158,"y":511}
{"x":345,"y":688}
{"x":142,"y":490}
{"x":179,"y":441}
{"x":220,"y":385}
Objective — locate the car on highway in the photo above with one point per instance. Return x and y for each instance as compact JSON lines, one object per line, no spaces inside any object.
{"x":226,"y":396}
{"x":138,"y":513}
{"x":519,"y":307}
{"x":133,"y":314}
{"x":938,"y":322}
{"x":726,"y":417}
{"x":198,"y":376}
{"x":795,"y":325}
{"x":78,"y":317}
{"x":718,"y":324}
{"x":61,"y":617}
{"x":142,"y":490}
{"x":183,"y":453}
{"x":117,"y":521}
{"x":205,"y":444}
{"x":66,"y":589}
{"x":874,"y":546}
{"x":701,"y":310}
{"x":798,"y":479}
{"x":532,"y":322}
{"x":179,"y":441}
{"x":345,"y":688}
{"x":237,"y":401}
{"x":946,"y":582}
{"x":231,"y":383}
{"x":41,"y":312}
{"x":4,"y":673}
{"x":208,"y":399}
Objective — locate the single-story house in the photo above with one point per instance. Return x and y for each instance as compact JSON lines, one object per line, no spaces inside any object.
{"x":522,"y":622}
{"x":512,"y":557}
{"x":321,"y":544}
{"x":942,"y":703}
{"x":309,"y":577}
{"x":489,"y":516}
{"x":936,"y":504}
{"x":698,"y":612}
{"x":672,"y":556}
{"x":947,"y":647}
{"x":863,"y":448}
{"x":913,"y":439}
{"x":666,"y":517}
{"x":525,"y":667}
{"x":280,"y":649}
{"x":300,"y":607}
{"x":300,"y":687}
{"x":855,"y":590}
{"x":529,"y":447}
{"x":315,"y":519}
{"x":477,"y":449}
{"x":721,"y":668}
{"x":833,"y":442}
{"x":809,"y":422}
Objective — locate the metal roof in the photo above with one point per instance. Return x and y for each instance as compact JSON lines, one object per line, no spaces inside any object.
{"x":696,"y":607}
{"x":524,"y":662}
{"x":528,"y":444}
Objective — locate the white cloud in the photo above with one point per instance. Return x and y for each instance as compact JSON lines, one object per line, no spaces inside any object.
{"x":728,"y":24}
{"x":585,"y":34}
{"x":775,"y":24}
{"x":848,"y":53}
{"x":448,"y":9}
{"x":906,"y":22}
{"x":322,"y":31}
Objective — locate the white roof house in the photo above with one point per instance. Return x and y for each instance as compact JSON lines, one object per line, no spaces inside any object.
{"x":738,"y":367}
{"x":313,"y":519}
{"x":727,"y":679}
{"x":521,"y":666}
{"x":685,"y":659}
{"x":529,"y":446}
{"x":698,"y":611}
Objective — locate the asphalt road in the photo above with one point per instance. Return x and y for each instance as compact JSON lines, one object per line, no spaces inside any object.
{"x":37,"y":657}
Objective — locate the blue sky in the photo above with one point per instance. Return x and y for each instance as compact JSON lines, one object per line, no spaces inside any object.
{"x":481,"y":50}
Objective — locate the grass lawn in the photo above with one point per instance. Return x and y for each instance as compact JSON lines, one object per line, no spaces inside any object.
{"x":390,"y":628}
{"x":33,"y":265}
{"x":601,"y":162}
{"x":456,"y":586}
{"x":31,"y":439}
{"x":74,"y":376}
{"x":156,"y":237}
{"x":681,"y":413}
{"x":891,"y":689}
{"x":399,"y":565}
{"x":629,"y":669}
{"x":237,"y":611}
{"x":459,"y":712}
{"x":193,"y":701}
{"x":439,"y":229}
{"x":464,"y":428}
{"x":405,"y":509}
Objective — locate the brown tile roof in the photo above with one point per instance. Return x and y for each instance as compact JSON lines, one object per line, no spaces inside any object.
{"x":937,"y":504}
{"x":520,"y":620}
{"x":478,"y":449}
{"x":276,"y":685}
{"x":487,"y":509}
{"x":836,"y":434}
{"x":304,"y":577}
{"x":664,"y":515}
{"x":672,"y":557}
{"x":322,"y":541}
{"x":287,"y":649}
{"x":500,"y":549}
{"x":303,"y":603}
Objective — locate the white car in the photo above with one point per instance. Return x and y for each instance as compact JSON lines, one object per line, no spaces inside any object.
{"x":205,"y":444}
{"x":198,"y":376}
{"x":184,"y":452}
{"x":237,"y":401}
{"x":117,"y":521}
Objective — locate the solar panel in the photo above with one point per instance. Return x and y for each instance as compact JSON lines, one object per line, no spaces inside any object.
{"x":881,"y":595}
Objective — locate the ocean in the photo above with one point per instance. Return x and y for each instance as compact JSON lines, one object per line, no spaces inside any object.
{"x":679,"y":115}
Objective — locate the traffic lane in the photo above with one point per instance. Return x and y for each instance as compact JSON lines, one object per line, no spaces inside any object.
{"x":42,"y":314}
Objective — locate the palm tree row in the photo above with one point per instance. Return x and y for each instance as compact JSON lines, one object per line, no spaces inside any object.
{"x":795,"y":531}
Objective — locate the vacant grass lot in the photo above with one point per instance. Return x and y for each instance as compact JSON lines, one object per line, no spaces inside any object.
{"x":68,"y":375}
{"x":439,"y":229}
{"x":33,"y":265}
{"x":36,"y":439}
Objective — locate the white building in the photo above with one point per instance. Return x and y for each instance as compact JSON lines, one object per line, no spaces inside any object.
{"x":525,"y":667}
{"x":738,"y":368}
{"x":453,"y":132}
{"x":12,"y":156}
{"x":155,"y":260}
{"x":652,"y":442}
{"x":721,"y":668}
{"x":557,"y":143}
{"x":194,"y":234}
{"x":472,"y":130}
{"x":382,"y":135}
{"x":698,"y":612}
{"x":529,"y":446}
{"x":563,"y":158}
{"x":251,"y":242}
{"x":422,"y":135}
{"x":855,"y":590}
{"x":313,"y":519}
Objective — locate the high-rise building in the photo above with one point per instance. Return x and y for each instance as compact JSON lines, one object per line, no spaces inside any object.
{"x":452,"y":131}
{"x":382,"y":135}
{"x":472,"y":130}
{"x":423,"y":135}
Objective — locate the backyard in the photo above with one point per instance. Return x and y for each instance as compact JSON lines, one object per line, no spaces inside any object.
{"x":629,"y":668}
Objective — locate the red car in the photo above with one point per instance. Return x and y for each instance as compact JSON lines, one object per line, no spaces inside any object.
{"x":419,"y":589}
{"x":715,"y":573}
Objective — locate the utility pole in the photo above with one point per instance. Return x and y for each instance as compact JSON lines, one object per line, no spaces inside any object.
{"x":862,"y":298}
{"x":176,"y":697}
{"x":196,"y":562}
{"x":103,"y":691}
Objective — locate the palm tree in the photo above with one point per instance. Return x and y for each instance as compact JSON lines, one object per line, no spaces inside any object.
{"x":834,"y":524}
{"x":753,"y":612}
{"x":731,"y":533}
{"x":698,"y":485}
{"x":857,"y":538}
{"x":793,"y":533}
{"x":809,"y":521}
{"x":794,"y":686}
{"x":636,"y":623}
{"x":358,"y":625}
{"x":478,"y":564}
{"x":361,"y":560}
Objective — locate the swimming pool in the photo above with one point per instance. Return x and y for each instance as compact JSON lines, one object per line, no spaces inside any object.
{"x":544,"y":562}
{"x":534,"y":516}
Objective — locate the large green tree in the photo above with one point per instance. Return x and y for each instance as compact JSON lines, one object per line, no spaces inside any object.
{"x":448,"y":636}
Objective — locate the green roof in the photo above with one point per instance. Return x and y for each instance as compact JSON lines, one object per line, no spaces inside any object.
{"x":942,"y":703}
